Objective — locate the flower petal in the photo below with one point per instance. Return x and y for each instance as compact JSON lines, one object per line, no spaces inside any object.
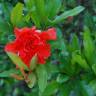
{"x":50,"y":34}
{"x":18,"y":31}
{"x":43,"y":53}
{"x":11,"y":47}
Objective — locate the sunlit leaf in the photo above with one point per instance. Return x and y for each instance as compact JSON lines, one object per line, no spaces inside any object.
{"x":42,"y":78}
{"x":33,"y":62}
{"x":51,"y":88}
{"x":16,"y":59}
{"x":17,"y":14}
{"x":66,"y":14}
{"x":32,"y":80}
{"x":8,"y":73}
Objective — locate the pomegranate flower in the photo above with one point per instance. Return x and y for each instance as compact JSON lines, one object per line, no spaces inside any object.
{"x":30,"y":41}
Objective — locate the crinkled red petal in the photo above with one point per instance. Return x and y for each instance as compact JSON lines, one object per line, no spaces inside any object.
{"x":50,"y":34}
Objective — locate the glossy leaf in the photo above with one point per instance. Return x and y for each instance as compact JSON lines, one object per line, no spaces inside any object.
{"x":88,"y":45}
{"x":94,"y":68}
{"x":16,"y":59}
{"x":42,"y":78}
{"x":86,"y":89}
{"x":62,"y":78}
{"x":53,"y":7}
{"x":29,"y":4}
{"x":17,"y":14}
{"x":93,"y":85}
{"x":66,"y":14}
{"x":33,"y":62}
{"x":8,"y":73}
{"x":32,"y":80}
{"x":79,"y":60}
{"x":75,"y":43}
{"x":40,"y":5}
{"x":51,"y":88}
{"x":32,"y":12}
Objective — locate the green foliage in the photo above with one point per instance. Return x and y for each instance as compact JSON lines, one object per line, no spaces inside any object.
{"x":66,"y":14}
{"x":8,"y":73}
{"x":32,"y":79}
{"x":33,"y":62}
{"x":71,"y":68}
{"x":79,"y":60}
{"x":51,"y":88}
{"x":89,"y":47}
{"x":15,"y":58}
{"x":42,"y":78}
{"x":17,"y":14}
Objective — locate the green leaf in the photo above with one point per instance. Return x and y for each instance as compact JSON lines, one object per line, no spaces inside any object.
{"x":16,"y":59}
{"x":4,"y":26}
{"x":51,"y":68}
{"x":40,"y":4}
{"x":27,"y":17}
{"x":65,"y":89}
{"x":29,"y":4}
{"x":42,"y":78}
{"x":94,"y":68}
{"x":32,"y":80}
{"x":86,"y":90}
{"x":51,"y":88}
{"x":88,"y":21}
{"x":62,"y":78}
{"x":40,"y":8}
{"x":75,"y":43}
{"x":17,"y":14}
{"x":53,"y":7}
{"x":35,"y":18}
{"x":93,"y":85}
{"x":79,"y":60}
{"x":32,"y":12}
{"x":89,"y":47}
{"x":6,"y":8}
{"x":33,"y":62}
{"x":8,"y":73}
{"x":66,"y":14}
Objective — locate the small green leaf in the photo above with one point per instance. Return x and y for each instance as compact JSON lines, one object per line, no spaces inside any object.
{"x":93,"y":85}
{"x":62,"y":78}
{"x":94,"y":68}
{"x":42,"y":78}
{"x":35,"y":18}
{"x":66,"y":14}
{"x":16,"y":14}
{"x":51,"y":88}
{"x":33,"y":62}
{"x":16,"y":59}
{"x":79,"y":60}
{"x":89,"y":47}
{"x":32,"y":12}
{"x":29,"y":4}
{"x":8,"y":73}
{"x":40,"y":5}
{"x":75,"y":43}
{"x":27,"y":17}
{"x":86,"y":89}
{"x":53,"y":7}
{"x":4,"y":26}
{"x":32,"y":80}
{"x":65,"y":89}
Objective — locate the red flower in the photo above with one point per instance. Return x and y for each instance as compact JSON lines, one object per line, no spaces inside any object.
{"x":29,"y":42}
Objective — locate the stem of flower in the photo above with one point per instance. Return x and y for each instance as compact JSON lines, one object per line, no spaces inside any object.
{"x":17,"y":77}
